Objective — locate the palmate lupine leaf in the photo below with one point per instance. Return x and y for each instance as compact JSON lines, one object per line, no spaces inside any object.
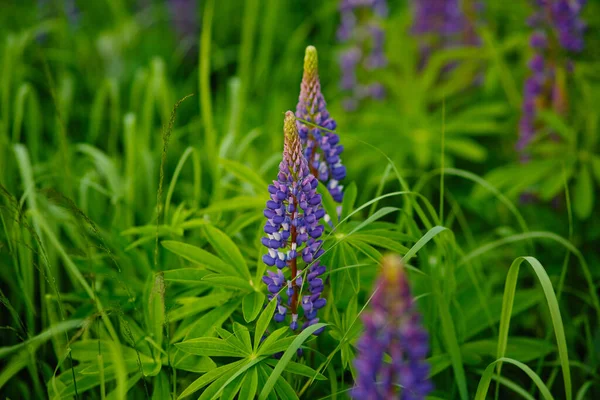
{"x":241,"y":375}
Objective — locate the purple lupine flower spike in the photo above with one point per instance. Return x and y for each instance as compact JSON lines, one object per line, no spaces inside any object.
{"x":293,"y":229}
{"x":321,"y":146}
{"x":393,"y":327}
{"x":362,"y":34}
{"x":557,"y":28}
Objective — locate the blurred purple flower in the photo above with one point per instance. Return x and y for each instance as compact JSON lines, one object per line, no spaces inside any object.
{"x":361,"y":32}
{"x":321,"y":146}
{"x":393,"y":327}
{"x":184,"y":15}
{"x":557,"y":27}
{"x":445,"y":24}
{"x":293,"y":230}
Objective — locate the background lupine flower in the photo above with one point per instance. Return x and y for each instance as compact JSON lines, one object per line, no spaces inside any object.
{"x":321,"y":147}
{"x":393,"y":327}
{"x":558,"y":29}
{"x":293,"y":230}
{"x":184,"y":14}
{"x":361,"y":32}
{"x":441,"y":24}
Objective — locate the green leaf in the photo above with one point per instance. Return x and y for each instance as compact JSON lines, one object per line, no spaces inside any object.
{"x":231,"y":390}
{"x":229,"y":282}
{"x":329,"y":204}
{"x":286,"y":358}
{"x":486,"y":378}
{"x":227,"y":250}
{"x":207,"y":322}
{"x":210,"y":347}
{"x":245,"y":174}
{"x":263,"y":321}
{"x":193,"y":305}
{"x":275,"y":346}
{"x":199,"y":256}
{"x":509,"y":294}
{"x":300,"y":369}
{"x":596,"y":168}
{"x":243,"y":335}
{"x":423,"y":241}
{"x":250,"y":384}
{"x":271,"y":340}
{"x":235,"y":204}
{"x":251,"y":305}
{"x":285,"y":390}
{"x":349,"y":199}
{"x":249,"y":364}
{"x":583,"y":195}
{"x":161,"y":387}
{"x":210,"y":377}
{"x":521,"y":348}
{"x":189,"y":362}
{"x":156,"y":308}
{"x":379,"y":241}
{"x":185,"y":275}
{"x":467,"y":149}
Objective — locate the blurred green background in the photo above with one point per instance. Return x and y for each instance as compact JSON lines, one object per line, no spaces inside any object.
{"x":87,"y":90}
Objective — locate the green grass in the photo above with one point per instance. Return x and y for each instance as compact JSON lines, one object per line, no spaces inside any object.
{"x":134,"y":173}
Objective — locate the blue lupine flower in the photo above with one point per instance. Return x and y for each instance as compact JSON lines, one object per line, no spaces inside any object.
{"x":293,"y":229}
{"x":393,"y":327}
{"x":321,"y":147}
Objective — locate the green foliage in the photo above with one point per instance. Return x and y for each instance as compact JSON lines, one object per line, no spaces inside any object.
{"x":110,"y":291}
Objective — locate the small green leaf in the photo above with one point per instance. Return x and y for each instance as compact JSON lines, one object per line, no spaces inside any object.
{"x":228,"y":281}
{"x":329,"y":204}
{"x":244,"y":174}
{"x":583,"y":196}
{"x":193,"y":305}
{"x":265,"y":347}
{"x":286,"y":358}
{"x":300,"y":369}
{"x":235,"y":204}
{"x":251,"y":305}
{"x":250,"y":384}
{"x":156,"y":308}
{"x":350,"y":193}
{"x":241,"y":332}
{"x":185,"y":275}
{"x":199,"y":256}
{"x":263,"y":321}
{"x":210,"y":347}
{"x":227,"y":250}
{"x":161,"y":387}
{"x":210,"y":377}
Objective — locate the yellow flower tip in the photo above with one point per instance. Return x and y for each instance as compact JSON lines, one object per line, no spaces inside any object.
{"x":289,"y":125}
{"x":311,"y":61}
{"x":392,"y":266}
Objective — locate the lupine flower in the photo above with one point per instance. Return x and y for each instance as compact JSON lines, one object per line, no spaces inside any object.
{"x":557,"y":29}
{"x":321,"y":146}
{"x":293,"y":229}
{"x":184,"y":14}
{"x":393,"y":327}
{"x":360,"y":31}
{"x":445,"y":24}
